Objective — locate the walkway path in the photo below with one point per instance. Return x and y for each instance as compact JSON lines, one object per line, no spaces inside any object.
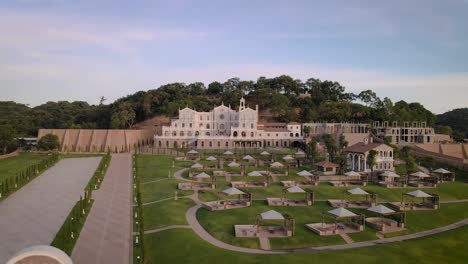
{"x":166,"y":228}
{"x":34,"y":214}
{"x":191,"y":216}
{"x":106,"y":235}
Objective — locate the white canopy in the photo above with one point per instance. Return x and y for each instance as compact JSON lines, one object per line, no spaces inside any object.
{"x":300,"y":152}
{"x":380,"y":209}
{"x":358,"y":191}
{"x":342,"y":212}
{"x":419,"y":194}
{"x":192,"y":152}
{"x":304,"y":173}
{"x":248,"y":157}
{"x":389,"y":174}
{"x":254,"y":174}
{"x":202,"y":175}
{"x":228,"y":153}
{"x":288,"y":157}
{"x":276,"y":165}
{"x":442,"y":171}
{"x":233,"y":164}
{"x":295,"y":189}
{"x":211,"y":158}
{"x":352,"y":174}
{"x":197,"y":166}
{"x":419,"y":174}
{"x":264,"y":153}
{"x":271,"y":215}
{"x":233,"y":191}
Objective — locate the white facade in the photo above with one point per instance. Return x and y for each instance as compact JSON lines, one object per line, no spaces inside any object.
{"x":224,"y":128}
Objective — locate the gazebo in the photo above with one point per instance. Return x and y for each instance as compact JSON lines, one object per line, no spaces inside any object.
{"x":283,"y":201}
{"x":345,"y":222}
{"x":285,"y":229}
{"x":192,"y":155}
{"x":234,"y":169}
{"x":197,"y":167}
{"x":247,"y":183}
{"x":422,"y":180}
{"x":386,"y":219}
{"x":388,"y":180}
{"x":228,"y":156}
{"x":327,"y":168}
{"x":244,"y":199}
{"x":351,"y":178}
{"x":249,"y":161}
{"x":212,"y":162}
{"x":200,"y":184}
{"x":444,"y":175}
{"x":370,"y":199}
{"x":427,"y":201}
{"x":289,"y":159}
{"x":264,"y":158}
{"x":278,"y":169}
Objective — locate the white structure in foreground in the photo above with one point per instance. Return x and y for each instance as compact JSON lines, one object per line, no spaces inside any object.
{"x":226,"y":128}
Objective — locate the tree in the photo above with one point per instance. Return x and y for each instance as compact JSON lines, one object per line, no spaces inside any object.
{"x":368,"y":97}
{"x":371,"y":160}
{"x":48,"y":142}
{"x":331,"y":146}
{"x":124,"y":117}
{"x":215,"y":88}
{"x":311,"y":149}
{"x":7,"y":138}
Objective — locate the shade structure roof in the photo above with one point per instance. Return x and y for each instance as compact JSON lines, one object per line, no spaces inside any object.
{"x":295,"y":189}
{"x":342,"y":212}
{"x":233,"y":191}
{"x":192,"y":152}
{"x":197,"y":166}
{"x":254,"y":174}
{"x":380,"y":209}
{"x":352,"y":173}
{"x":442,"y":171}
{"x":288,"y":157}
{"x":265,"y":153}
{"x":389,"y":174}
{"x":300,"y":152}
{"x":233,"y":164}
{"x":276,"y":165}
{"x":419,"y":194}
{"x":228,"y":153}
{"x":419,"y":174}
{"x":211,"y":158}
{"x":304,"y":173}
{"x":202,"y":175}
{"x":358,"y":191}
{"x":248,"y":157}
{"x":271,"y":215}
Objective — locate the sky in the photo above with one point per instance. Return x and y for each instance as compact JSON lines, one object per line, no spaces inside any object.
{"x":54,"y":50}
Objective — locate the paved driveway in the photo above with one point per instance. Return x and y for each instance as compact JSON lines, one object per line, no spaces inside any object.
{"x":106,"y":235}
{"x":35,"y":213}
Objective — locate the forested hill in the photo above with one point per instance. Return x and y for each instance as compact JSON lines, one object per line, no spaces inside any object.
{"x":287,"y":99}
{"x":456,"y":119}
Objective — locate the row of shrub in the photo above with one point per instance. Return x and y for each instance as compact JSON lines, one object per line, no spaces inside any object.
{"x":138,"y":247}
{"x":11,"y":184}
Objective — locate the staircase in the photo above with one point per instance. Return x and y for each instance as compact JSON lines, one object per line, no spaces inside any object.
{"x":264,"y":243}
{"x":346,"y":238}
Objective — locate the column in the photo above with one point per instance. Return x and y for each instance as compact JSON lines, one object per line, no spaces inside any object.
{"x":359,"y":162}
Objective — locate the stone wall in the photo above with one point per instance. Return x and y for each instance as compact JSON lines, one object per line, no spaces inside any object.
{"x":99,"y":140}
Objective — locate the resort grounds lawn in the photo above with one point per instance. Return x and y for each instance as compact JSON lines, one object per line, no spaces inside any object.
{"x":10,"y":166}
{"x":161,"y":189}
{"x":185,"y":247}
{"x":166,"y":213}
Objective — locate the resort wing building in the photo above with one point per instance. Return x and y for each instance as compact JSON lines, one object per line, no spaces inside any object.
{"x":226,"y":128}
{"x":357,"y":157}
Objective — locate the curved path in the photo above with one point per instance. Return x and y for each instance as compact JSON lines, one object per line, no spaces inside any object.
{"x":191,"y":217}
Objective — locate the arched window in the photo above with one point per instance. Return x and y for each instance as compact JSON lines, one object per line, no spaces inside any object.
{"x":209,"y":143}
{"x":190,"y":125}
{"x":166,"y":133}
{"x":235,"y":134}
{"x":227,"y":144}
{"x":207,"y":126}
{"x":202,"y":144}
{"x":219,"y":144}
{"x":201,"y":124}
{"x":251,"y":134}
{"x":175,"y":124}
{"x":167,"y":144}
{"x":251,"y":126}
{"x":276,"y":143}
{"x":197,"y":133}
{"x":297,"y":134}
{"x":291,"y":135}
{"x":243,"y":134}
{"x":159,"y":143}
{"x":391,"y":153}
{"x":207,"y":133}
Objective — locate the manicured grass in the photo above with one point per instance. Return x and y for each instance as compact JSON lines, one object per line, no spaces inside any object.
{"x":164,"y":188}
{"x":183,"y":246}
{"x":153,"y":168}
{"x":10,"y":166}
{"x":166,"y":213}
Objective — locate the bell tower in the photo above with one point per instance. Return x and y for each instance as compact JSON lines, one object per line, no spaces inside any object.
{"x":242,"y":104}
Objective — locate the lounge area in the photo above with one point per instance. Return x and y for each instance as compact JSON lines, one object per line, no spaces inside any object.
{"x":264,"y":228}
{"x":417,"y":200}
{"x":345,"y":222}
{"x":244,"y":200}
{"x":370,"y":199}
{"x":422,"y":180}
{"x":386,"y":220}
{"x":390,"y":179}
{"x":287,"y":201}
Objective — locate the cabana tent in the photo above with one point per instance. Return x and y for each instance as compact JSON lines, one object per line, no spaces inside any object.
{"x":420,"y":179}
{"x":283,"y":201}
{"x":233,"y":164}
{"x":389,"y":180}
{"x":192,"y":155}
{"x":244,"y":200}
{"x":265,"y":153}
{"x":211,"y":158}
{"x":387,"y":221}
{"x":352,"y":223}
{"x":287,"y":227}
{"x":428,"y":201}
{"x":444,"y":175}
{"x":371,"y":199}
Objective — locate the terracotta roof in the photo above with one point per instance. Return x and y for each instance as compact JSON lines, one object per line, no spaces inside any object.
{"x":294,"y":123}
{"x":361,"y":147}
{"x":327,"y":164}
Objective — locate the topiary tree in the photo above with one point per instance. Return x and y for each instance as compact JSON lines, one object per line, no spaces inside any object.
{"x":48,"y":142}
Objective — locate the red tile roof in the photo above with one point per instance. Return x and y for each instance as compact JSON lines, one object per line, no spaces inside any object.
{"x":361,"y":147}
{"x":327,"y":164}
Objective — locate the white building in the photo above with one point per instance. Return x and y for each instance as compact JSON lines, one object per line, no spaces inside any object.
{"x":226,"y":128}
{"x":357,"y":157}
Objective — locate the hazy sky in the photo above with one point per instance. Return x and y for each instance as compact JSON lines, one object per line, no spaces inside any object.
{"x":80,"y":50}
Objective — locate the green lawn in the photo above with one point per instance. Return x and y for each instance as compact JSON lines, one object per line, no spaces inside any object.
{"x":166,"y":213}
{"x":10,"y":166}
{"x":183,"y":246}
